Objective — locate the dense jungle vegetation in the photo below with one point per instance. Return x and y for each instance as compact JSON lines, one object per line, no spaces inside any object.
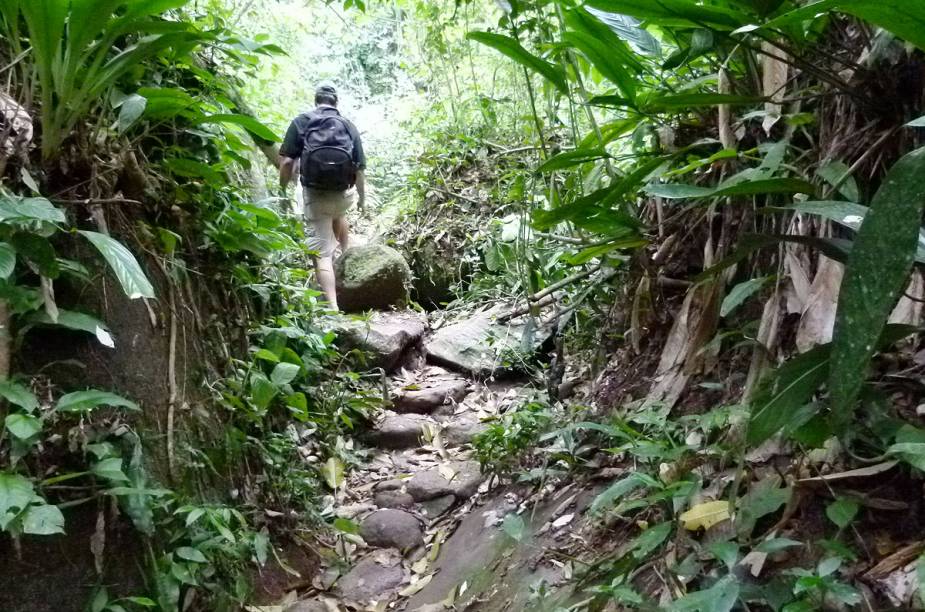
{"x":708,"y":214}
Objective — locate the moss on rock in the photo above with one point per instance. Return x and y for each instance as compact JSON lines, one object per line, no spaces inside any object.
{"x":372,"y":277}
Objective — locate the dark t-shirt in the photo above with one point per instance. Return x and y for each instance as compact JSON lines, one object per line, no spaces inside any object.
{"x":294,"y":140}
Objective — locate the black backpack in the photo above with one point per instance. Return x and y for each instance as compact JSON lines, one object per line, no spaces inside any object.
{"x":327,"y":153}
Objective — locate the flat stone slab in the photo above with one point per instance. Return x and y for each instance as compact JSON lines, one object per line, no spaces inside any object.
{"x":427,"y":395}
{"x":384,"y":337}
{"x":369,"y":580}
{"x":391,"y":528}
{"x":398,"y":431}
{"x":462,"y":428}
{"x":393,"y":499}
{"x":434,"y":508}
{"x":482,"y":346}
{"x":464,"y":481}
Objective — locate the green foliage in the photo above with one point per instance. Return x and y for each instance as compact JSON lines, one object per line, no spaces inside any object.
{"x":506,"y":441}
{"x":76,"y":52}
{"x":876,"y":273}
{"x":514,"y":50}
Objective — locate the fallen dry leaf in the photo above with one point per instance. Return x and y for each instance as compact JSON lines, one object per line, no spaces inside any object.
{"x":705,"y":515}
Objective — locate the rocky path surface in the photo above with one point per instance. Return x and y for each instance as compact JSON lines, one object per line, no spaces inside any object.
{"x":422,"y":480}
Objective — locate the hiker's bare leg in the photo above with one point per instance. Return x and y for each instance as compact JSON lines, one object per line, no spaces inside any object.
{"x":324,"y":270}
{"x":342,"y":231}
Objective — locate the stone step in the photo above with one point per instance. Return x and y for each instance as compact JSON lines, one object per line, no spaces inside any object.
{"x":391,"y":528}
{"x":400,"y":431}
{"x":481,"y":345}
{"x":386,"y":337}
{"x":430,"y":393}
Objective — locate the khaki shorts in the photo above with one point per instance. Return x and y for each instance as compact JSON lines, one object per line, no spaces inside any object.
{"x":321,"y":208}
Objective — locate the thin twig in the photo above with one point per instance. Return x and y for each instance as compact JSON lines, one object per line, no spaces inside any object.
{"x":562,"y":283}
{"x":854,"y":167}
{"x":457,"y":196}
{"x":97,"y":201}
{"x":172,"y":381}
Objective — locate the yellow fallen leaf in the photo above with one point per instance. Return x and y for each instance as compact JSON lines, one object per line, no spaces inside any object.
{"x":414,"y":587}
{"x":705,"y":515}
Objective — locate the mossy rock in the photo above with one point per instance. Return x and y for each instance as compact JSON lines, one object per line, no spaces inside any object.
{"x":372,"y":277}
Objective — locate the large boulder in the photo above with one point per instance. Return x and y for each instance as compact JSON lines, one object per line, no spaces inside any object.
{"x":372,"y":277}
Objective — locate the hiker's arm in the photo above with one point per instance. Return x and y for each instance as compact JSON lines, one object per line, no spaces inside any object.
{"x":361,"y":189}
{"x":286,"y":171}
{"x":288,"y":155}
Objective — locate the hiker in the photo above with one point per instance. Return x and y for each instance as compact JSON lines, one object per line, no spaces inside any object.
{"x":329,"y":154}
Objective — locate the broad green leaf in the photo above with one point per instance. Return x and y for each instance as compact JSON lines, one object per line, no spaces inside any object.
{"x":142,"y":601}
{"x":137,"y":498}
{"x":775,"y":544}
{"x":763,"y":498}
{"x":188,"y":553}
{"x":649,"y":540}
{"x":617,"y":490}
{"x":164,"y":102}
{"x":131,"y":110}
{"x":23,"y":426}
{"x":694,"y":100}
{"x":7,"y":260}
{"x":262,"y":390}
{"x":833,"y":248}
{"x":38,"y":251}
{"x":727,"y":552}
{"x":14,"y":208}
{"x":759,"y":187}
{"x":606,"y":57}
{"x":781,"y":397}
{"x":266,"y":355}
{"x":567,"y":159}
{"x":920,"y":122}
{"x":284,"y":373}
{"x":901,"y":17}
{"x":742,"y":292}
{"x":842,"y":511}
{"x":677,"y":13}
{"x":629,"y":29}
{"x":85,"y":401}
{"x":848,"y":214}
{"x":261,"y":546}
{"x":333,"y":472}
{"x":877,"y":271}
{"x":514,"y":527}
{"x":16,"y":494}
{"x":16,"y":393}
{"x":346,"y":526}
{"x":253,"y":126}
{"x":192,"y":168}
{"x":721,"y":597}
{"x":123,"y":264}
{"x":78,"y":321}
{"x":909,"y":446}
{"x":514,"y":50}
{"x":833,"y":172}
{"x":43,"y":519}
{"x":110,"y":469}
